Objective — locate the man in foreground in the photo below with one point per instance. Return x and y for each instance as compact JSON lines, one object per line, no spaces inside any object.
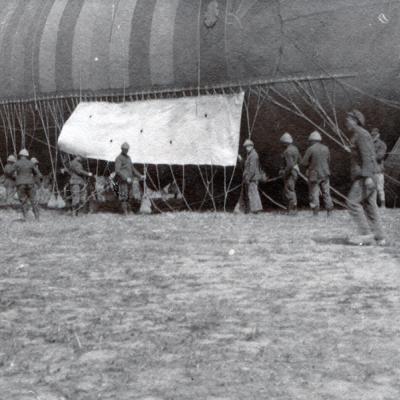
{"x":25,"y":175}
{"x":124,"y":171}
{"x":290,"y":171}
{"x":78,"y":184}
{"x":363,"y":193}
{"x":316,"y":160}
{"x":251,"y":177}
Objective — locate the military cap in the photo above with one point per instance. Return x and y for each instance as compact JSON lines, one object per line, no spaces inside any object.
{"x":24,"y":152}
{"x":11,"y":158}
{"x":34,"y":160}
{"x":358,"y":116}
{"x":248,"y":142}
{"x":124,"y":145}
{"x":315,"y":136}
{"x":286,"y":138}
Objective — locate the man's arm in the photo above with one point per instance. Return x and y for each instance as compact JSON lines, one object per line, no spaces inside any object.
{"x":305,"y":162}
{"x":137,"y":173}
{"x":37,"y":172}
{"x":289,"y":161}
{"x":381,"y":151}
{"x":78,"y":169}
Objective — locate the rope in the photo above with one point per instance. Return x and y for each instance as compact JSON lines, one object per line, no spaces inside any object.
{"x":272,"y":200}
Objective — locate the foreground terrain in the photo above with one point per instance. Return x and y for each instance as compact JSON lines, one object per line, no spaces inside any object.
{"x":197,"y":306}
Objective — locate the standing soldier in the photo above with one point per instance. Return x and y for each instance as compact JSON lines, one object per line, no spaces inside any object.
{"x":124,"y":171}
{"x":9,"y":174}
{"x":316,"y":160}
{"x":290,"y":171}
{"x":26,"y":172}
{"x":251,"y":177}
{"x":78,"y":184}
{"x":362,"y":197}
{"x":380,"y":151}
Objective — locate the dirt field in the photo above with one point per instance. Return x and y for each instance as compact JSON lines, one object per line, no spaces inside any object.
{"x":197,"y":306}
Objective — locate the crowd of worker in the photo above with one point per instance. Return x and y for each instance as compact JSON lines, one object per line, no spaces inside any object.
{"x":23,"y":176}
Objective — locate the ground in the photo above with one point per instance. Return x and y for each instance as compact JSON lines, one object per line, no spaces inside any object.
{"x":197,"y":306}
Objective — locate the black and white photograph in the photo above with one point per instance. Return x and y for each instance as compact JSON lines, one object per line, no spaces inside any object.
{"x":199,"y":199}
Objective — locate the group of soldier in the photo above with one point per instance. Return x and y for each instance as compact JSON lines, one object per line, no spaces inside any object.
{"x":23,"y":176}
{"x":366,"y":175}
{"x":368,"y":152}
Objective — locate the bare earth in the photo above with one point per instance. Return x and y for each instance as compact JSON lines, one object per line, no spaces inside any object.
{"x":197,"y":306}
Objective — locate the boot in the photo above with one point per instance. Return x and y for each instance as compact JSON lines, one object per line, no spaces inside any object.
{"x":292,"y":210}
{"x":35,"y":210}
{"x":23,"y":213}
{"x":315,"y":211}
{"x":124,"y":207}
{"x":361,"y":240}
{"x":329,"y":212}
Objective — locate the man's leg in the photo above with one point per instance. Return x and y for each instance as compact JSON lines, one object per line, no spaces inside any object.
{"x":33,"y":199}
{"x":75,"y":194}
{"x":372,"y":212}
{"x":313,"y":192}
{"x":290,"y":193}
{"x":23,"y":198}
{"x":380,"y":180}
{"x":254,"y":198}
{"x":326,"y":194}
{"x":124,"y":196}
{"x":82,"y":197}
{"x":354,"y":203}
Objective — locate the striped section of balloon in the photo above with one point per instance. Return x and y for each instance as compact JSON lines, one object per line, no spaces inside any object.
{"x":120,"y":44}
{"x":162,"y":42}
{"x":48,"y":46}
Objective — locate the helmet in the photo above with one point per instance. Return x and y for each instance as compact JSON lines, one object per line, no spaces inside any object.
{"x":125,"y":146}
{"x":315,"y":136}
{"x":358,"y":116}
{"x":248,"y":142}
{"x":24,"y":152}
{"x":34,"y":160}
{"x":11,"y":158}
{"x":286,"y":138}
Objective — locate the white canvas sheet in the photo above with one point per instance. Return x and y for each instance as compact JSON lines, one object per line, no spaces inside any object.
{"x":189,"y":130}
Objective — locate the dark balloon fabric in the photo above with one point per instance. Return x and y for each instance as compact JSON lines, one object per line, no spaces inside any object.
{"x":65,"y":47}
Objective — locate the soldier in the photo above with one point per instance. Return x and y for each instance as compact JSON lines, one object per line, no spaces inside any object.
{"x":26,"y":172}
{"x":9,"y":175}
{"x":380,"y":150}
{"x":78,"y":184}
{"x":290,"y":171}
{"x":251,"y":177}
{"x":124,"y":171}
{"x":361,"y":199}
{"x":316,"y":160}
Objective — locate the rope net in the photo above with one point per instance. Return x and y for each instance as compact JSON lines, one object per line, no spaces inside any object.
{"x":298,"y":106}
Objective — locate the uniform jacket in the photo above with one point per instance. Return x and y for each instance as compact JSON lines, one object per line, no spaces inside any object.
{"x":380,"y":151}
{"x":124,"y":168}
{"x":77,"y":172}
{"x":363,"y":158}
{"x":290,"y":160}
{"x":25,"y":171}
{"x":316,"y":160}
{"x":252,"y":171}
{"x":9,"y":174}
